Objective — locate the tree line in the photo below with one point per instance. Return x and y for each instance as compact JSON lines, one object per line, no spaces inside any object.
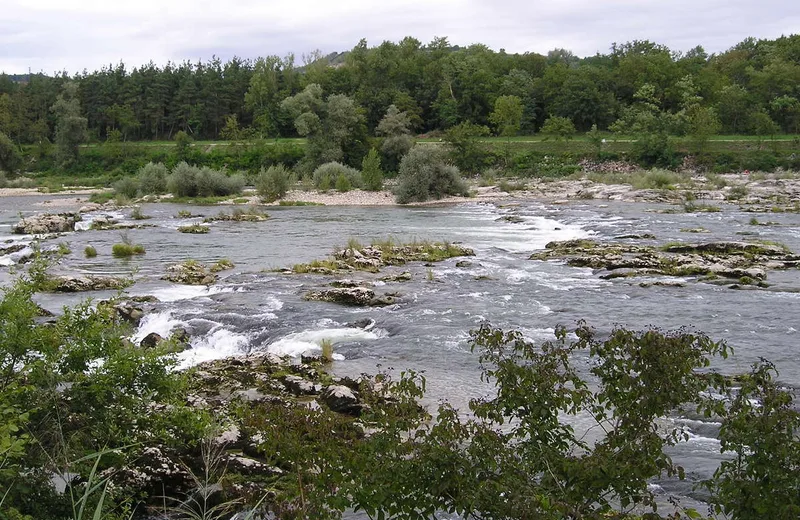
{"x":752,"y":88}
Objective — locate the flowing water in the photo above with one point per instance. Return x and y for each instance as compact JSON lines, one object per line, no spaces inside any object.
{"x":253,"y":308}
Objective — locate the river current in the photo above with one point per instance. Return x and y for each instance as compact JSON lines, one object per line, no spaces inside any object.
{"x":253,"y":308}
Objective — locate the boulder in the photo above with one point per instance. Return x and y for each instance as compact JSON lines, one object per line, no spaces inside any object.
{"x":299,"y":386}
{"x":46,"y":223}
{"x":189,"y":273}
{"x":356,"y":296}
{"x":86,"y":283}
{"x":463,"y":264}
{"x":341,"y":399}
{"x":129,"y":313}
{"x":151,"y":340}
{"x":728,"y":248}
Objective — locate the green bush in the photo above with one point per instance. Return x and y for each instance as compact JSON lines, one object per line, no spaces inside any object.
{"x":128,"y":187}
{"x":152,"y":179}
{"x":327,"y":175}
{"x":343,"y":184}
{"x":182,"y":182}
{"x":371,"y":171}
{"x":760,"y":162}
{"x":214,"y":183}
{"x":90,"y":252}
{"x":655,"y":149}
{"x":10,"y":158}
{"x":425,"y":174}
{"x":126,"y":250}
{"x":272,"y":183}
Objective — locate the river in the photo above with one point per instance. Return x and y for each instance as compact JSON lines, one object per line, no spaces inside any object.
{"x":253,"y":308}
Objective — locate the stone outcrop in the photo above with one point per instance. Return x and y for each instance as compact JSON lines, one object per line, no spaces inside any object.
{"x":46,"y":223}
{"x":190,"y":273}
{"x":747,"y":262}
{"x":72,"y":284}
{"x":355,"y":296}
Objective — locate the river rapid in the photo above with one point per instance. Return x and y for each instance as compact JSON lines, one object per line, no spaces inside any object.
{"x":252,"y":308}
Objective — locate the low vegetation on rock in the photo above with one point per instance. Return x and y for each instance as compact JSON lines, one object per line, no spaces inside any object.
{"x":356,"y":257}
{"x":709,"y":260}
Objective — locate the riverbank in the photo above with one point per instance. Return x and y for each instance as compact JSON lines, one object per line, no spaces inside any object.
{"x":776,"y":190}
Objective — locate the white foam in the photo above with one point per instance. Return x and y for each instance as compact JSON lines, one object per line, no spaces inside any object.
{"x":311,"y":340}
{"x":14,"y":258}
{"x":161,"y":323}
{"x":85,"y":224}
{"x":175,"y":293}
{"x":218,"y":344}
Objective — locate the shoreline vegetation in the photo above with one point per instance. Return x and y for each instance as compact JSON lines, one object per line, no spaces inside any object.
{"x":94,"y":425}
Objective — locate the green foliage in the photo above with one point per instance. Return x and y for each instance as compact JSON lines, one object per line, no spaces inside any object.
{"x":127,"y":187}
{"x":272,"y":183}
{"x":507,"y":115}
{"x":183,"y":143}
{"x":558,"y":127}
{"x":330,"y":125}
{"x":10,"y":158}
{"x":90,"y":252}
{"x":215,"y":183}
{"x":126,"y":250}
{"x":371,"y":171}
{"x":152,"y":179}
{"x":182,"y":182}
{"x":466,"y":150}
{"x":425,"y":173}
{"x":395,"y":127}
{"x":761,"y":428}
{"x":71,"y":126}
{"x":343,"y":184}
{"x":76,"y":409}
{"x":327,"y":176}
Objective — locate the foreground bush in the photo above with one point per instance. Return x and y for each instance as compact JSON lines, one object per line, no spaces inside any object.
{"x":425,"y":174}
{"x":272,"y":183}
{"x":327,"y":176}
{"x":518,"y":454}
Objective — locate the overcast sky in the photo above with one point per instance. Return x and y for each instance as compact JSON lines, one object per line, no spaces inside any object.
{"x":73,"y":35}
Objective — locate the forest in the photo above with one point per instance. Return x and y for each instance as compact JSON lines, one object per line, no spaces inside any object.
{"x":752,"y":88}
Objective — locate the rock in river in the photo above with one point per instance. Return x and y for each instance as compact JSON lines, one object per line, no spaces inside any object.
{"x":46,"y":223}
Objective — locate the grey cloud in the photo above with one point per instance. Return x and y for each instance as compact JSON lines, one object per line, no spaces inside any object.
{"x":73,"y":36}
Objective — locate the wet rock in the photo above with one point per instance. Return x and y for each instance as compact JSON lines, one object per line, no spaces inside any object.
{"x":514,"y":219}
{"x":155,"y":470}
{"x":231,"y":438}
{"x":299,"y":386}
{"x":151,"y":340}
{"x":405,"y":276}
{"x":16,"y":248}
{"x":643,"y":236}
{"x":728,"y":248}
{"x":366,"y":323}
{"x":129,"y":313}
{"x":190,"y":273}
{"x":86,"y":283}
{"x":46,"y":223}
{"x":463,"y":264}
{"x":310,"y":358}
{"x":180,"y":336}
{"x":739,"y":260}
{"x":247,"y":466}
{"x":341,"y":399}
{"x":349,"y":284}
{"x":355,"y":296}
